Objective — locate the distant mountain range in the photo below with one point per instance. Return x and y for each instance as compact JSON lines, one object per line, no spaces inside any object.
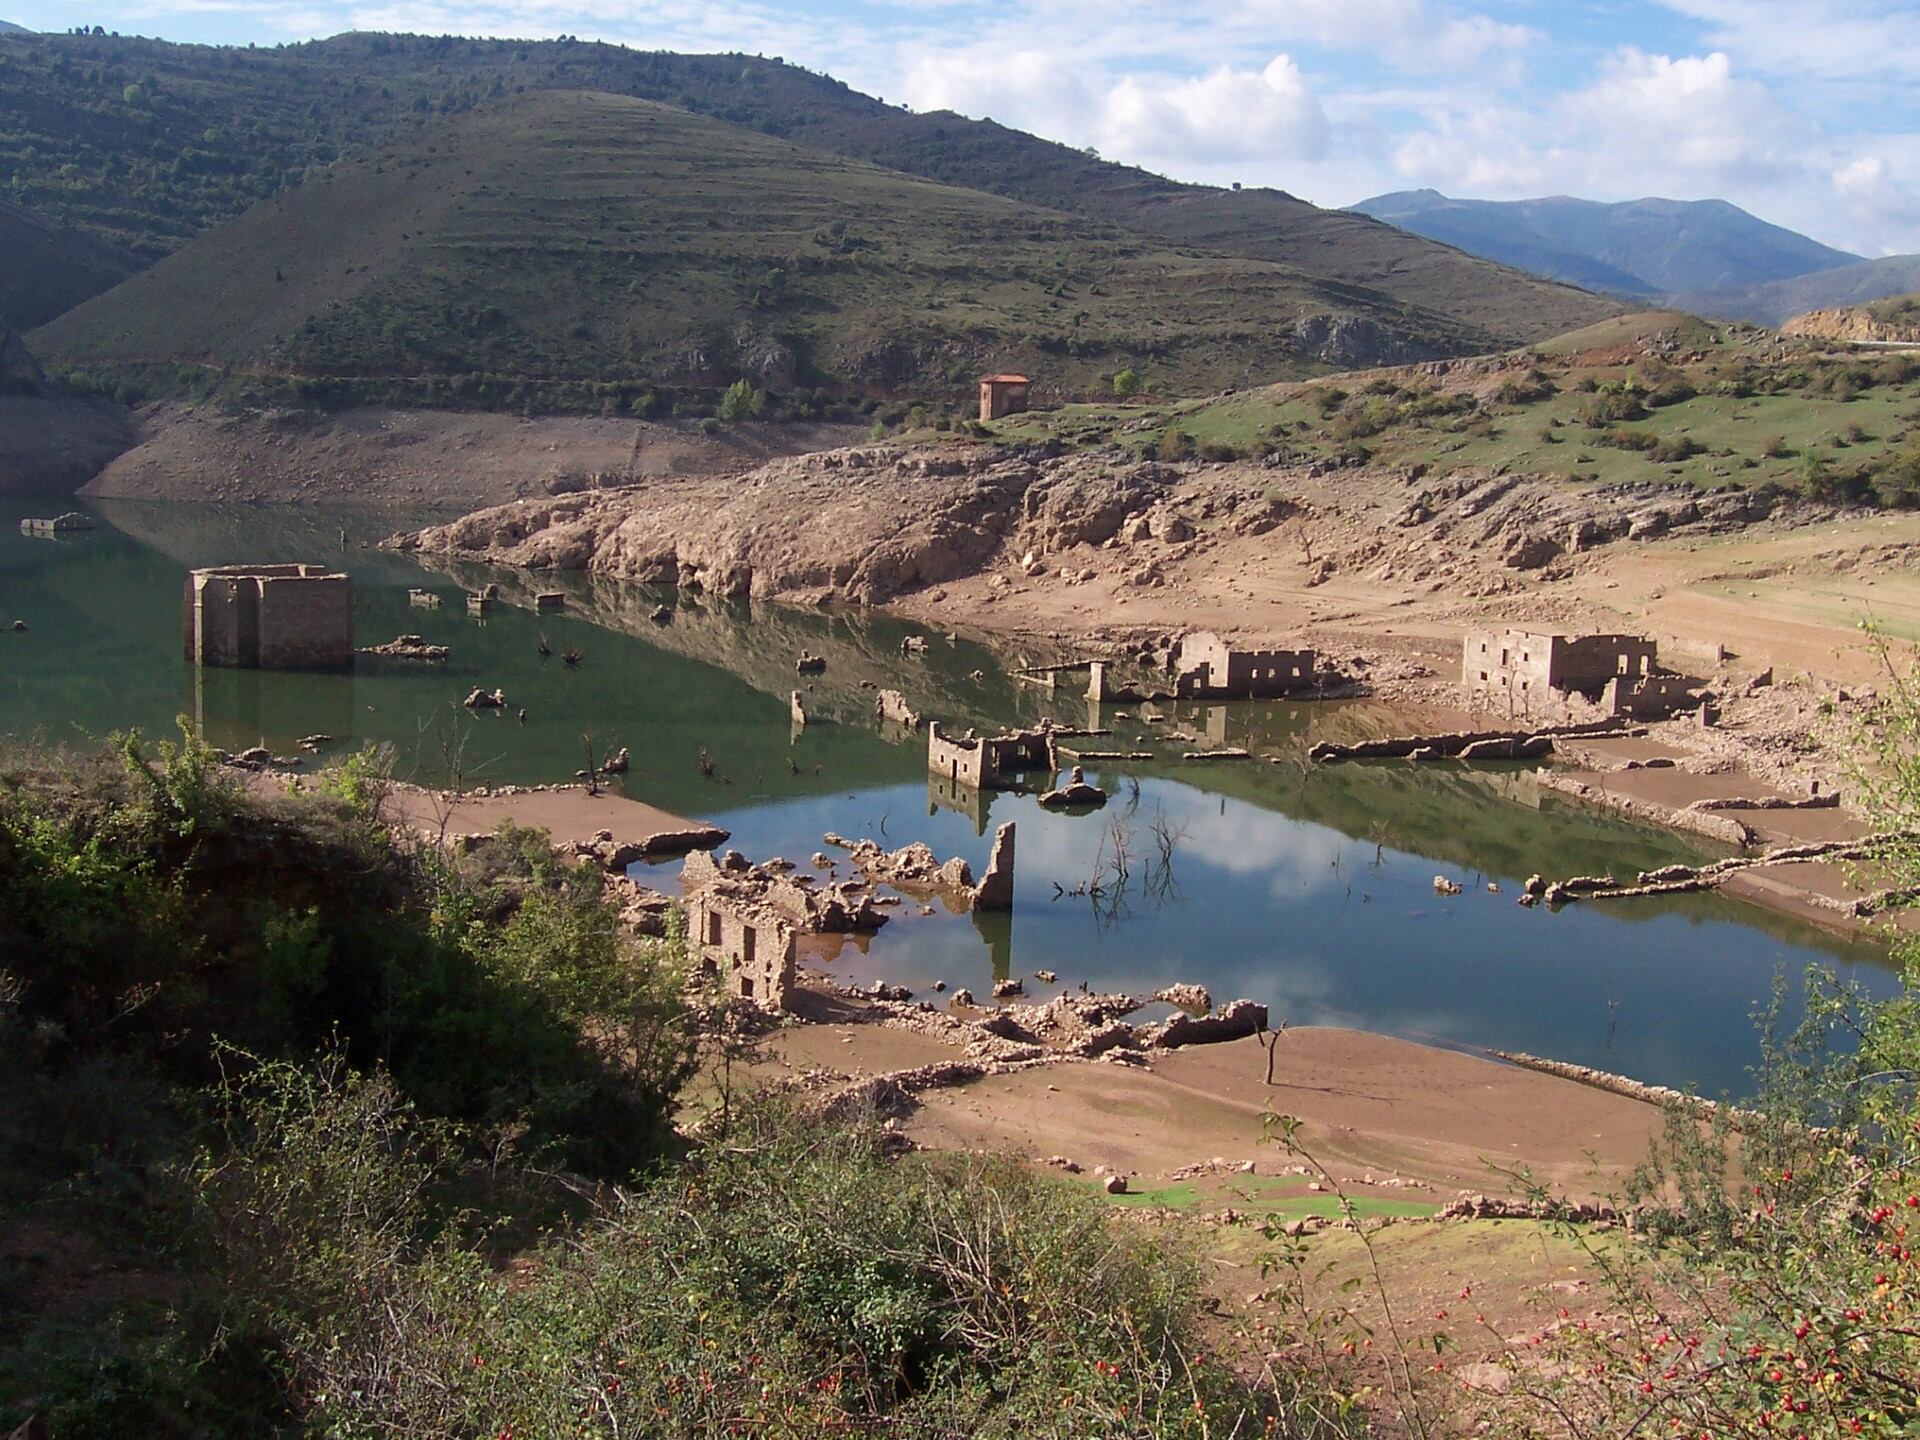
{"x":6,"y":25}
{"x":1781,"y":300}
{"x":1642,"y":249}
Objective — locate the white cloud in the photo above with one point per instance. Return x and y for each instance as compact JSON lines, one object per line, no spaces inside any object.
{"x":1224,"y":115}
{"x":1687,"y":117}
{"x":1147,"y":118}
{"x":1851,"y":41}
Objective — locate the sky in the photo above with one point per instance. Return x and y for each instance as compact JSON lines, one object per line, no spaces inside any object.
{"x":1806,"y":112}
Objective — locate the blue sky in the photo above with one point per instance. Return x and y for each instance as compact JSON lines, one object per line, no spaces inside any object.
{"x":1803,"y":111}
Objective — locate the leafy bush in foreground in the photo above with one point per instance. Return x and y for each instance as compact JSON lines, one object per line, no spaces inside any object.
{"x":792,"y":1280}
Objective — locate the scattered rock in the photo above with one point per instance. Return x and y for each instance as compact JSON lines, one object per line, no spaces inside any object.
{"x":1115,"y":1185}
{"x":1076,"y":792}
{"x":1233,"y":1021}
{"x":1006,"y":989}
{"x":1192,"y":998}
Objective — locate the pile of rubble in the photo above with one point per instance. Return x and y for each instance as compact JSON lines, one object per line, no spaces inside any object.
{"x":830,"y":908}
{"x":408,"y":647}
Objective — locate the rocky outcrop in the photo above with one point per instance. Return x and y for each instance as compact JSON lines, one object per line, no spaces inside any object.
{"x":1859,"y":324}
{"x":407,"y":647}
{"x":857,"y":525}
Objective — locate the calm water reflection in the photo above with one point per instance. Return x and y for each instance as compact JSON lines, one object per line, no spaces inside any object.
{"x":1309,"y":888}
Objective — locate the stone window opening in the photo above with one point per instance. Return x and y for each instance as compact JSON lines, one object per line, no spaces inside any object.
{"x":748,"y":938}
{"x":746,"y":987}
{"x":713,"y":927}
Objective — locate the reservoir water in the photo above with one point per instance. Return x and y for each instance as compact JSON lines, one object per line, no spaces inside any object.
{"x":1307,"y":887}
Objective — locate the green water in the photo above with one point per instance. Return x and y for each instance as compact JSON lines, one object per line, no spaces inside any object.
{"x":1308,"y":887}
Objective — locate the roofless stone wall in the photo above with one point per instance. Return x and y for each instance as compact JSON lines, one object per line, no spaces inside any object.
{"x":269,"y":617}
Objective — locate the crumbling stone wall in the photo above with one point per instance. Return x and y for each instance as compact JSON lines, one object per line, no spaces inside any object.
{"x":269,"y":617}
{"x":992,"y":762}
{"x":1206,"y":667}
{"x":744,"y":944}
{"x":1537,"y":673}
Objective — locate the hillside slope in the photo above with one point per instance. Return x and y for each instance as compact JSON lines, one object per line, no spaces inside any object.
{"x":199,"y":133}
{"x":1780,"y":301}
{"x":614,"y":246}
{"x":1635,"y":247}
{"x":50,"y":268}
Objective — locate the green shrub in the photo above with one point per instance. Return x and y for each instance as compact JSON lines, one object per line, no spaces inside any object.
{"x":1525,"y":389}
{"x":1623,"y":439}
{"x":741,"y":401}
{"x":793,"y":1280}
{"x":1126,"y":383}
{"x":1674,"y":449}
{"x":1178,"y":445}
{"x":1897,"y":483}
{"x":1610,"y":406}
{"x":1674,"y":390}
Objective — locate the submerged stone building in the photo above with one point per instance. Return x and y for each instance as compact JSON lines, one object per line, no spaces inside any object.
{"x":270,"y":617}
{"x":1542,"y":674}
{"x":989,"y":762}
{"x":1206,"y":667}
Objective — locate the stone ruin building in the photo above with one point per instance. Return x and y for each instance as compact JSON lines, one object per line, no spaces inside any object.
{"x":1540,"y":674}
{"x":990,"y":762}
{"x":743,"y":919}
{"x":1003,"y":395}
{"x":745,"y":945}
{"x":270,"y":617}
{"x":737,"y":933}
{"x":1206,"y":667}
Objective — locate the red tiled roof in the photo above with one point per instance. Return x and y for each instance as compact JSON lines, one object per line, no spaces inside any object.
{"x":1005,"y":380}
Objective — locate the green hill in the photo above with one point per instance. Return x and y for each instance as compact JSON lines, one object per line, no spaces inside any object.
{"x":147,"y":144}
{"x":583,"y":250}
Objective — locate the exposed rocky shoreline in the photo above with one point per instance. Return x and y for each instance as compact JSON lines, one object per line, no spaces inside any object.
{"x":870,"y":525}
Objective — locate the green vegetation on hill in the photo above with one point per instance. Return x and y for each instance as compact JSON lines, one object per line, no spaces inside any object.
{"x":585,"y":251}
{"x":1653,"y":397}
{"x":147,"y":144}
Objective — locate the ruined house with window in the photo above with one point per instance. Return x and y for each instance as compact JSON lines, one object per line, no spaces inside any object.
{"x":1544,"y":675}
{"x":1206,"y":667}
{"x":743,"y":919}
{"x":270,"y":617}
{"x":990,"y":762}
{"x":738,"y":936}
{"x":1002,"y":395}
